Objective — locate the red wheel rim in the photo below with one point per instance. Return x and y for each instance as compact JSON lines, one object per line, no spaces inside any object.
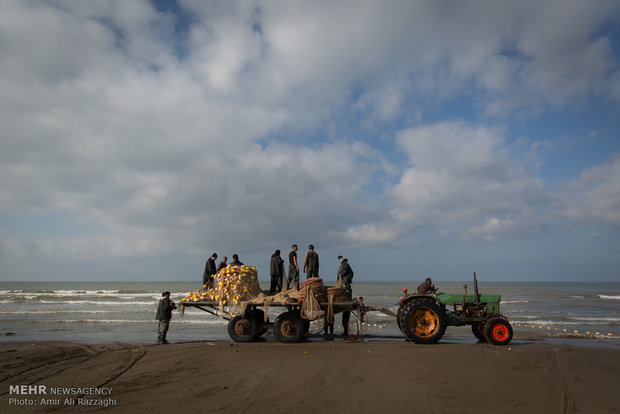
{"x":499,"y":332}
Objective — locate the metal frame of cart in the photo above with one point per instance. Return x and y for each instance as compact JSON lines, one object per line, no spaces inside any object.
{"x":288,"y":327}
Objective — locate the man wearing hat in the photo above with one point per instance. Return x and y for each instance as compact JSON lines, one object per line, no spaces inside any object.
{"x":164,"y":314}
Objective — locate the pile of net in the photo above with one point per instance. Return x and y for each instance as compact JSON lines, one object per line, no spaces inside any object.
{"x":337,"y":294}
{"x":312,"y":293}
{"x":233,"y":288}
{"x":314,"y":285}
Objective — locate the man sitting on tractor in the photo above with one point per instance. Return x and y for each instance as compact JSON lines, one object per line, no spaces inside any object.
{"x":426,"y":287}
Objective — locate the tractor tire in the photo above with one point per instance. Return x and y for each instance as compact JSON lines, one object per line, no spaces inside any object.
{"x":422,"y":321}
{"x":288,"y":327}
{"x":259,"y":316}
{"x":242,"y":329}
{"x":478,"y":331}
{"x":498,"y":331}
{"x":398,"y":316}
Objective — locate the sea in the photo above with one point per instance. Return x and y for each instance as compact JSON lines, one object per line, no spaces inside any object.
{"x":582,"y":314}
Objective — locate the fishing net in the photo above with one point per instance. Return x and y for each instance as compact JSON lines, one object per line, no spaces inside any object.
{"x":234,"y":287}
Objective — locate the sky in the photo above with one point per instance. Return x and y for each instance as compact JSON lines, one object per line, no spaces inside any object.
{"x":417,"y":138}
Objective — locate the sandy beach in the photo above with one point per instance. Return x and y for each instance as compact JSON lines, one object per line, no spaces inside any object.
{"x":327,"y":377}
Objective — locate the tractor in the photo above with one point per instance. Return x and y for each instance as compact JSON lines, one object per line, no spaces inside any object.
{"x":423,"y":318}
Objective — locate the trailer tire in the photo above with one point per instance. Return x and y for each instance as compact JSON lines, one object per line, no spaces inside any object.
{"x":498,"y":331}
{"x":259,"y":316}
{"x":422,"y":321}
{"x":242,"y":329}
{"x":288,"y":327}
{"x":478,"y":331}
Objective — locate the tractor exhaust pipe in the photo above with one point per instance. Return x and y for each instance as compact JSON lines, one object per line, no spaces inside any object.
{"x":476,"y":290}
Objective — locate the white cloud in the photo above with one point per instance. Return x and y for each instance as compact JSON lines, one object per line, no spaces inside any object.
{"x":459,"y":174}
{"x":460,"y":171}
{"x":595,"y":196}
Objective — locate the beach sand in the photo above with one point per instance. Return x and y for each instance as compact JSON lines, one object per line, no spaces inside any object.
{"x":312,"y":377}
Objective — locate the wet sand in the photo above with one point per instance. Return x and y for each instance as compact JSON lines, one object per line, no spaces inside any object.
{"x":311,"y":377}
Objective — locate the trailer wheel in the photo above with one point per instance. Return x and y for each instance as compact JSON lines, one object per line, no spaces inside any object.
{"x":259,"y":317}
{"x":478,"y":331}
{"x":288,"y":327}
{"x":498,"y":331}
{"x":422,"y":321}
{"x":242,"y":329}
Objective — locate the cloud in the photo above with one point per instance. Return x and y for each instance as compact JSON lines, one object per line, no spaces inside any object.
{"x":595,"y":196}
{"x":237,"y":124}
{"x":458,"y":173}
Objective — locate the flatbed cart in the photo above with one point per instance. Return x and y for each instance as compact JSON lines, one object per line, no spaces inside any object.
{"x":288,"y":327}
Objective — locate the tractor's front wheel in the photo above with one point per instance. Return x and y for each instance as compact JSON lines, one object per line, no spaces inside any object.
{"x":422,"y":321}
{"x":498,"y":331}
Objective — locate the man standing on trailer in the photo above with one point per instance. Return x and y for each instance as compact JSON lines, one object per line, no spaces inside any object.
{"x":210,"y":271}
{"x":276,"y":270}
{"x":236,"y":261}
{"x":311,"y":263}
{"x":222,"y":264}
{"x":293,"y":269}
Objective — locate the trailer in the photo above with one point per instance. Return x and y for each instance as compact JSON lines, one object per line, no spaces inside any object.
{"x":290,"y":326}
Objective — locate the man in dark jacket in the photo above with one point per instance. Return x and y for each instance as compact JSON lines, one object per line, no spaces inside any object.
{"x":236,"y":261}
{"x":210,"y":271}
{"x":345,"y":277}
{"x":311,"y":263}
{"x":426,"y":287}
{"x":164,"y":314}
{"x":276,"y":269}
{"x":222,"y":264}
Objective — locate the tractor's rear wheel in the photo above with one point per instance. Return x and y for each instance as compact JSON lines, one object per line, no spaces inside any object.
{"x":398,"y":317}
{"x":478,"y":331}
{"x":422,"y":321}
{"x":498,"y":331}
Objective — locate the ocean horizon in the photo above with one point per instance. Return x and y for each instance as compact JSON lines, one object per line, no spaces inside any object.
{"x":584,"y":313}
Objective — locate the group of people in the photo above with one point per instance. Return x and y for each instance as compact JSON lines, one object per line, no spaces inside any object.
{"x":278,"y":275}
{"x":276,"y":269}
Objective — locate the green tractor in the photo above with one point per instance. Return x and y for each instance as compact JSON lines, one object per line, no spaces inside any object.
{"x":423,"y":318}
